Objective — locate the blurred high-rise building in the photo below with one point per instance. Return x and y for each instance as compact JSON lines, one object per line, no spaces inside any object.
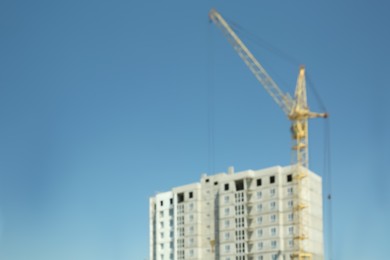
{"x":248,"y":215}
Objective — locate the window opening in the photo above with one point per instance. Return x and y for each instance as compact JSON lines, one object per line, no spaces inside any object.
{"x":180,"y":197}
{"x":239,"y":185}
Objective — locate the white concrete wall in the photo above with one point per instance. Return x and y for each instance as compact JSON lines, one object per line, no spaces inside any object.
{"x":164,"y":226}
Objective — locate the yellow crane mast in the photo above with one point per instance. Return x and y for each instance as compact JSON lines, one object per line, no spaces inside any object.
{"x":297,"y":112}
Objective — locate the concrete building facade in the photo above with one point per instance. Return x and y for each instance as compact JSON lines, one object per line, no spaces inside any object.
{"x":247,"y":215}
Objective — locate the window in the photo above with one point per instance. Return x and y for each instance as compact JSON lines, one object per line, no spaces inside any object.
{"x":273,"y":218}
{"x":240,"y":234}
{"x":180,"y":208}
{"x":227,"y":223}
{"x":162,"y":235}
{"x":259,"y":220}
{"x":259,"y":194}
{"x":192,"y":252}
{"x":259,"y":207}
{"x":191,"y":195}
{"x":191,"y":206}
{"x":290,"y":191}
{"x":161,"y":224}
{"x":289,"y":178}
{"x":272,"y":205}
{"x":227,"y":198}
{"x":180,"y":220}
{"x":273,"y":243}
{"x":227,"y":248}
{"x":191,"y":217}
{"x":272,"y":179}
{"x":239,"y":185}
{"x":227,"y":186}
{"x":207,"y":180}
{"x":227,"y":236}
{"x":216,"y":183}
{"x":291,"y":243}
{"x":240,"y":248}
{"x":239,"y":196}
{"x":161,"y":213}
{"x":180,"y":197}
{"x":240,"y":210}
{"x":273,"y":231}
{"x":258,"y":182}
{"x":180,"y":243}
{"x":161,"y":203}
{"x":290,"y":216}
{"x":180,"y":254}
{"x":291,"y":230}
{"x":171,"y":201}
{"x":290,"y":203}
{"x":272,"y":192}
{"x":227,"y":211}
{"x":181,"y":232}
{"x":259,"y":232}
{"x":260,"y":245}
{"x":260,"y":257}
{"x":240,"y":222}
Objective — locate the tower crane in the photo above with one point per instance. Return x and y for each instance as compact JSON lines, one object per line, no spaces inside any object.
{"x":297,"y":111}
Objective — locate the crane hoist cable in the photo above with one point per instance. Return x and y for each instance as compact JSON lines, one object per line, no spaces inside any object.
{"x":328,"y":174}
{"x":327,"y":170}
{"x":241,"y":31}
{"x":258,"y":41}
{"x":210,"y":105}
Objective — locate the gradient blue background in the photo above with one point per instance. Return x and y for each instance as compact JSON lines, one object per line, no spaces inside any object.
{"x":105,"y":103}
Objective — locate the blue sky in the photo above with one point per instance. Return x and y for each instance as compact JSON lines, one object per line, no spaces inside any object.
{"x":104,"y":103}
